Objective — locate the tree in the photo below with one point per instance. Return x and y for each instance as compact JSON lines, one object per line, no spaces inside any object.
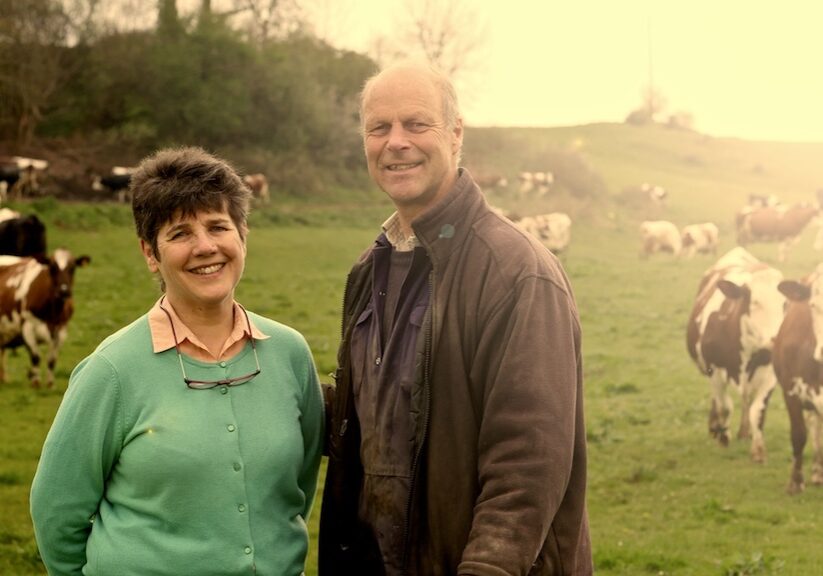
{"x":33,"y":35}
{"x":269,"y":19}
{"x":168,"y":21}
{"x":654,"y":103}
{"x":448,"y":35}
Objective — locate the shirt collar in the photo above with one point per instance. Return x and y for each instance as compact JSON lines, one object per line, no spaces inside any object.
{"x":394,"y":234}
{"x":162,"y":337}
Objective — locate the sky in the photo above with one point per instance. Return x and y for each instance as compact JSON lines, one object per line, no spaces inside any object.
{"x":747,"y":69}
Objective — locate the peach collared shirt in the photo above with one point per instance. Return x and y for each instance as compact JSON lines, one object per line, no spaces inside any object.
{"x":162,"y":337}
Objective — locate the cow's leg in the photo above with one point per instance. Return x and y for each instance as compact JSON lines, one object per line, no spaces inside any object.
{"x":783,"y":251}
{"x":721,"y":409}
{"x":55,"y":341}
{"x":813,"y":423}
{"x":2,"y":365}
{"x":746,"y":395}
{"x":798,"y":435}
{"x":761,"y":388}
{"x":30,"y":340}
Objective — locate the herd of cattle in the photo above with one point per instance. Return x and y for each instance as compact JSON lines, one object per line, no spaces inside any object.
{"x":35,"y":292}
{"x":761,"y":220}
{"x":750,"y":329}
{"x":20,"y":177}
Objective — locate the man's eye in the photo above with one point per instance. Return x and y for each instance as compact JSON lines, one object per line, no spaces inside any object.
{"x":417,"y":126}
{"x":380,"y":130}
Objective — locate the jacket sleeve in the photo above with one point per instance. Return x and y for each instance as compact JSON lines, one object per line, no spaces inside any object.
{"x":529,"y":360}
{"x":77,"y":456}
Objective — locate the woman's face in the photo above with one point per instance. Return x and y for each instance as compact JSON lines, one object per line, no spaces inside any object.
{"x":200,"y":258}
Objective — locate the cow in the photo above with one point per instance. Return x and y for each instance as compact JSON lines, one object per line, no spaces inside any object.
{"x":259,"y":186}
{"x":116,"y":182}
{"x":539,"y":181}
{"x":699,"y":239}
{"x":779,"y":223}
{"x":17,"y":182}
{"x":36,"y":305}
{"x":8,"y":214}
{"x":798,"y":365}
{"x":553,"y":229}
{"x":736,"y":314}
{"x":762,"y":200}
{"x":23,"y":236}
{"x":20,"y":175}
{"x":491,"y":181}
{"x":657,"y":194}
{"x":659,"y":236}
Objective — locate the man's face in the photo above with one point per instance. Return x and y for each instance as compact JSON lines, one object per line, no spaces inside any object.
{"x":411,"y":152}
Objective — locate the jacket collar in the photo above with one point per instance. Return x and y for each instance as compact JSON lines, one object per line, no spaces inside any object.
{"x":444,"y":227}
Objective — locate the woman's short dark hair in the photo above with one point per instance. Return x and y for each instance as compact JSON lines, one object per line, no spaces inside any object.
{"x":181,"y":182}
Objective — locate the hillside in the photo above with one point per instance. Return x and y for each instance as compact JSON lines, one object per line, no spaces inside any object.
{"x":704,"y":176}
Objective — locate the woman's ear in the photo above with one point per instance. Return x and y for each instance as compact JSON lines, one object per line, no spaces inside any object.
{"x":148,"y":254}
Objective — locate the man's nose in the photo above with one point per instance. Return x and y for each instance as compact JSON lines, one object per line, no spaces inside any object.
{"x":398,"y":138}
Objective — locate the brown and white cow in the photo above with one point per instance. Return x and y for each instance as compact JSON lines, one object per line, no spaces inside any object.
{"x":780,"y":223}
{"x":798,"y":364}
{"x":736,"y":315}
{"x":259,"y":185}
{"x":699,"y":239}
{"x":35,"y":307}
{"x":659,"y":236}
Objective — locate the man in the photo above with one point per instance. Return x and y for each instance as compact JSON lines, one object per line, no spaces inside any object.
{"x":457,"y":441}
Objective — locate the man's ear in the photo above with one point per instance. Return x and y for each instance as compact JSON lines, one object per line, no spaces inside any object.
{"x":457,"y":143}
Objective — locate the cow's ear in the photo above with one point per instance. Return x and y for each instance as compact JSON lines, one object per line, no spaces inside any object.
{"x":82,"y":260}
{"x":794,"y":291}
{"x":730,"y":289}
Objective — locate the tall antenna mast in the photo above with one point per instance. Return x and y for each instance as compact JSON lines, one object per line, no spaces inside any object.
{"x":650,"y":98}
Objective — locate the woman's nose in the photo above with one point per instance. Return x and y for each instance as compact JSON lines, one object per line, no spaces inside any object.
{"x":204,"y":243}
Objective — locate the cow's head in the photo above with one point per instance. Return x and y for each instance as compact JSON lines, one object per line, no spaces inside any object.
{"x":760,"y":304}
{"x":809,"y":290}
{"x":61,"y":266}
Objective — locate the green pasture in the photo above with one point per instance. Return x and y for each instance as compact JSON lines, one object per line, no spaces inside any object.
{"x":664,"y":499}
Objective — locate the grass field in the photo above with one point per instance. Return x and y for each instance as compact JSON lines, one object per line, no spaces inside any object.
{"x":663,"y":497}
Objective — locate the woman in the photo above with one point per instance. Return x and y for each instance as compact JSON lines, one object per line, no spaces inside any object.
{"x":189,"y":441}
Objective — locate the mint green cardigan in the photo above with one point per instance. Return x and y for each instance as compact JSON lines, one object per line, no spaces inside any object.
{"x":142,"y":476}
